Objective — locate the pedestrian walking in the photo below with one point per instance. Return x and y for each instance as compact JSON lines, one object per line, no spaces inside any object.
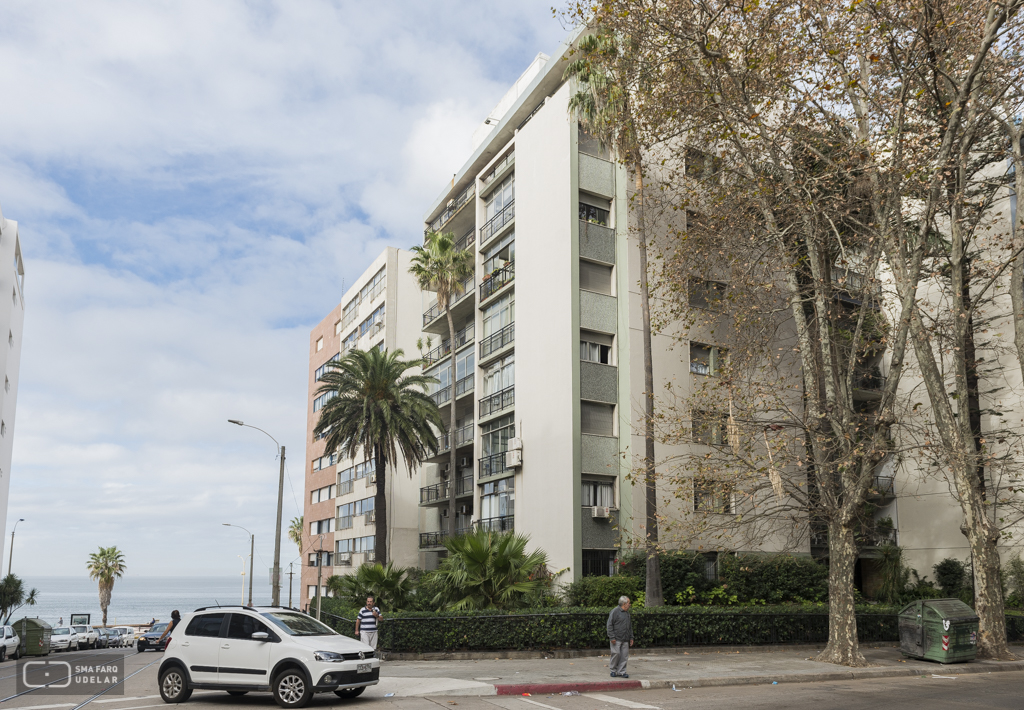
{"x":620,"y":636}
{"x":366,"y":623}
{"x":175,"y":618}
{"x":61,"y":622}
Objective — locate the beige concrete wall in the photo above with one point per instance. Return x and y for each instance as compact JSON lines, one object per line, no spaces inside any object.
{"x":12,"y":320}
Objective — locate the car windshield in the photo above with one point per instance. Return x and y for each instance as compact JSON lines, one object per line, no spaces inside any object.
{"x":300,"y":625}
{"x":79,"y":629}
{"x":158,"y":628}
{"x":61,"y":632}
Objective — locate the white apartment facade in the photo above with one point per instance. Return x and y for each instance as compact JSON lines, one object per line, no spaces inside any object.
{"x":12,"y":319}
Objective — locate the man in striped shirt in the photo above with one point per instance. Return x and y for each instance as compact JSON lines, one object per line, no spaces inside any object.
{"x":366,"y":623}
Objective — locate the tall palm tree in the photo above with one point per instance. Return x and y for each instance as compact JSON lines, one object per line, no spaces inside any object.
{"x":440,"y":267}
{"x":601,"y":105}
{"x":380,"y":411}
{"x":295,"y":530}
{"x":13,"y":597}
{"x":106,"y":566}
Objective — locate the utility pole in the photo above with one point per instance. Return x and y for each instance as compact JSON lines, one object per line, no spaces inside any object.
{"x":291,"y":574}
{"x":277,"y":538}
{"x":11,"y":560}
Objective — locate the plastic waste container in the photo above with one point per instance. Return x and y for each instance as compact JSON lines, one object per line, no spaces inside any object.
{"x":943,"y":630}
{"x":35,"y":636}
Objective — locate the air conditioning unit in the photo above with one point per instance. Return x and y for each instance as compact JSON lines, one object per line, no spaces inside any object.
{"x":377,"y":327}
{"x":515,"y":444}
{"x":600,"y":511}
{"x":343,"y":560}
{"x":514,"y":458}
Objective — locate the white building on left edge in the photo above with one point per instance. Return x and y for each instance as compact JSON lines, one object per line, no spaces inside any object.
{"x":12,"y":319}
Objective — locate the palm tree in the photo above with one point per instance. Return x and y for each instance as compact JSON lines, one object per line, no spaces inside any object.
{"x":390,"y":586}
{"x":13,"y":597}
{"x":601,"y":105}
{"x":295,"y":529}
{"x":380,"y":411}
{"x":106,"y":566}
{"x":440,"y":267}
{"x":489,"y":570}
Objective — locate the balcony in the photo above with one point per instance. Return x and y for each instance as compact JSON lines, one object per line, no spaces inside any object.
{"x":500,"y":166}
{"x":504,"y":523}
{"x":436,"y":539}
{"x":494,"y":225}
{"x":463,"y":386}
{"x":346,"y":487}
{"x":369,"y":517}
{"x":493,"y":465}
{"x":343,"y":523}
{"x":452,"y":208}
{"x":435,"y":310}
{"x":496,"y":341}
{"x":343,"y":559}
{"x":868,"y":380}
{"x":497,"y":279}
{"x":462,"y":338}
{"x":882,"y":487}
{"x":497,"y":402}
{"x":441,"y":491}
{"x":463,"y":437}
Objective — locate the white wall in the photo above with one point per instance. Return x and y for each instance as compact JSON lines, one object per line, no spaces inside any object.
{"x":12,"y":320}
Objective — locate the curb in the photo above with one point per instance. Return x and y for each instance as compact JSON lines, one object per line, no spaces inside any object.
{"x":722,"y":681}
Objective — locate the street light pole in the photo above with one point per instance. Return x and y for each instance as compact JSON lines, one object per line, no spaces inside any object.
{"x":10,"y":561}
{"x":275,"y":573}
{"x":252,"y":551}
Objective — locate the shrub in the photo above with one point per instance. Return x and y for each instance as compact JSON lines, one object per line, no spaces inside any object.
{"x":773,"y":578}
{"x":602,"y":591}
{"x":954,"y":579}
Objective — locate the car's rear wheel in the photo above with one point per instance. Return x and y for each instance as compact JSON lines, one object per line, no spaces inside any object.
{"x":291,"y":689}
{"x":349,"y":693}
{"x":237,"y":693}
{"x":174,"y":686}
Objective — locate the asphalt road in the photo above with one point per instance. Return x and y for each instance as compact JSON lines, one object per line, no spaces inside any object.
{"x":996,"y":690}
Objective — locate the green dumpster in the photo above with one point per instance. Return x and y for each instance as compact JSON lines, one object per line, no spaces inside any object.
{"x":35,"y":636}
{"x":943,"y":630}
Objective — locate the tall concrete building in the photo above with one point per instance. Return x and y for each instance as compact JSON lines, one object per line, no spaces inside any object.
{"x":339,"y":509}
{"x":12,"y":319}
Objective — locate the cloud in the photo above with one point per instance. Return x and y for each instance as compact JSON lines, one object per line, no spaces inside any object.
{"x":193,"y":182}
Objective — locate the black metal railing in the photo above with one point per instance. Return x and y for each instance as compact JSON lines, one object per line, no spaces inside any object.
{"x":868,"y":380}
{"x":503,"y":523}
{"x":496,"y":341}
{"x":463,"y":386}
{"x":507,"y":160}
{"x":507,"y":214}
{"x":492,"y":465}
{"x":466,"y":241}
{"x":452,"y":208}
{"x":436,"y":538}
{"x":496,"y":279}
{"x":442,"y":395}
{"x":441,"y":491}
{"x":498,"y":402}
{"x":466,"y":384}
{"x":463,"y":436}
{"x":462,"y":337}
{"x":435,"y":310}
{"x":883,"y":486}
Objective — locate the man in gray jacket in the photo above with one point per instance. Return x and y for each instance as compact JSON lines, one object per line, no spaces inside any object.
{"x":620,"y":635}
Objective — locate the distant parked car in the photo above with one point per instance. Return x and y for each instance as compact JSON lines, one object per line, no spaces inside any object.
{"x":149,"y":640}
{"x":88,"y":637}
{"x":63,"y":638}
{"x":108,"y":638}
{"x":127,"y":635}
{"x":9,"y":645}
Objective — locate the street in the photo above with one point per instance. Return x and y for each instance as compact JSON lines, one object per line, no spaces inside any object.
{"x":939,"y":688}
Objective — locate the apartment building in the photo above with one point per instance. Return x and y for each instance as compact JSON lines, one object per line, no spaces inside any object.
{"x":12,"y":319}
{"x":339,"y":509}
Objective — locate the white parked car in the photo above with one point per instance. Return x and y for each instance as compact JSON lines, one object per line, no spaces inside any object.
{"x":9,"y":645}
{"x":127,"y":635}
{"x":63,"y":638}
{"x":243,"y":649}
{"x":88,"y":637}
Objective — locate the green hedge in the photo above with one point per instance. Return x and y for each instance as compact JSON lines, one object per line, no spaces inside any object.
{"x":422,"y":632}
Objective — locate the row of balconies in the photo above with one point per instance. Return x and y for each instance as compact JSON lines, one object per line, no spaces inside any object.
{"x":435,"y":539}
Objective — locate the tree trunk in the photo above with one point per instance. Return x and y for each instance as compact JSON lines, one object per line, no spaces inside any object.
{"x":1017,"y":230}
{"x":653,"y":595}
{"x":106,"y":588}
{"x":453,"y":471}
{"x":380,"y":509}
{"x":988,"y":593}
{"x":843,"y":648}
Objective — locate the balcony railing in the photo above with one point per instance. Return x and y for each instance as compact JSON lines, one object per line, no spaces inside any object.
{"x":451,"y":208}
{"x":496,"y":279}
{"x":878,"y":538}
{"x":435,"y":310}
{"x":507,"y":214}
{"x":346,"y":487}
{"x":496,"y":341}
{"x":343,"y":559}
{"x":462,"y":338}
{"x":504,"y":523}
{"x":463,"y":436}
{"x":436,"y":539}
{"x":868,"y":380}
{"x":493,"y":465}
{"x":509,"y":159}
{"x":466,"y":241}
{"x":498,"y":402}
{"x":445,"y":393}
{"x":344,"y":522}
{"x":440,"y":491}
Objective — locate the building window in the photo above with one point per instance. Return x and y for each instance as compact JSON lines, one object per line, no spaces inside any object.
{"x":499,"y":314}
{"x":323,"y":399}
{"x":495,"y":435}
{"x":323,"y":494}
{"x":592,"y":214}
{"x":706,"y":359}
{"x":708,"y":427}
{"x":596,"y":277}
{"x":374,"y":287}
{"x":325,"y":461}
{"x":500,"y":375}
{"x":326,"y":559}
{"x":321,"y":527}
{"x":597,"y":493}
{"x":374,"y":318}
{"x":597,"y":418}
{"x":501,"y":198}
{"x":598,"y":563}
{"x":337,"y":328}
{"x":498,"y":499}
{"x":501,"y":254}
{"x":354,"y":544}
{"x":711,"y":496}
{"x":319,"y":344}
{"x":350,"y":341}
{"x":595,"y":347}
{"x":707,"y":294}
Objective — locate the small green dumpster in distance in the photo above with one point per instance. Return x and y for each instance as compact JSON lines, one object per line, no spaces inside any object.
{"x":34,"y":635}
{"x":943,"y":630}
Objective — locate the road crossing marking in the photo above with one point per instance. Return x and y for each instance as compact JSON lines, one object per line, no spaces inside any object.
{"x":620,"y":701}
{"x":534,"y":702}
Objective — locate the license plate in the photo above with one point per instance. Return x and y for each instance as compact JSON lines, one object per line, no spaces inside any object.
{"x":363,"y":668}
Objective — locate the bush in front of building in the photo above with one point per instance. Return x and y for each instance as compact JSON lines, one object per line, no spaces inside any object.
{"x":602,"y":591}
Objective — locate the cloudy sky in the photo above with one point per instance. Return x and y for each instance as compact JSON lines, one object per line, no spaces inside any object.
{"x":193,"y":181}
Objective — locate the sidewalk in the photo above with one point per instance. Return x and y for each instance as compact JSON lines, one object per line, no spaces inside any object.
{"x":685,"y":668}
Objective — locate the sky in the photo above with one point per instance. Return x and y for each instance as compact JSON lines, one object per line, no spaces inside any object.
{"x":194,"y":182}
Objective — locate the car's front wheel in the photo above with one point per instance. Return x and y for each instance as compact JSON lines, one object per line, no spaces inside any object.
{"x":349,"y":693}
{"x":291,"y":689}
{"x":174,"y":686}
{"x":142,"y":647}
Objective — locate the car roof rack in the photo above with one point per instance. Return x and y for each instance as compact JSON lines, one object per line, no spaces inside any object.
{"x":226,"y":606}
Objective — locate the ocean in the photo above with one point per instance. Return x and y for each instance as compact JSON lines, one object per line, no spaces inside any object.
{"x":138,"y":600}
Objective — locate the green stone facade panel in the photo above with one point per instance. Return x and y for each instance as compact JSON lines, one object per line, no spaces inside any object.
{"x":597,"y":243}
{"x":599,"y":533}
{"x":599,"y":383}
{"x":597,"y":176}
{"x":598,"y":312}
{"x":600,"y":454}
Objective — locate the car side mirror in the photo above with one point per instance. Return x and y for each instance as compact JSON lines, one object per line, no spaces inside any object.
{"x":260,"y":636}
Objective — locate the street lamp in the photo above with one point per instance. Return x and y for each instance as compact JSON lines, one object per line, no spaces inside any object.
{"x":11,"y":560}
{"x":252,"y":550}
{"x":276,"y":573}
{"x":241,"y":599}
